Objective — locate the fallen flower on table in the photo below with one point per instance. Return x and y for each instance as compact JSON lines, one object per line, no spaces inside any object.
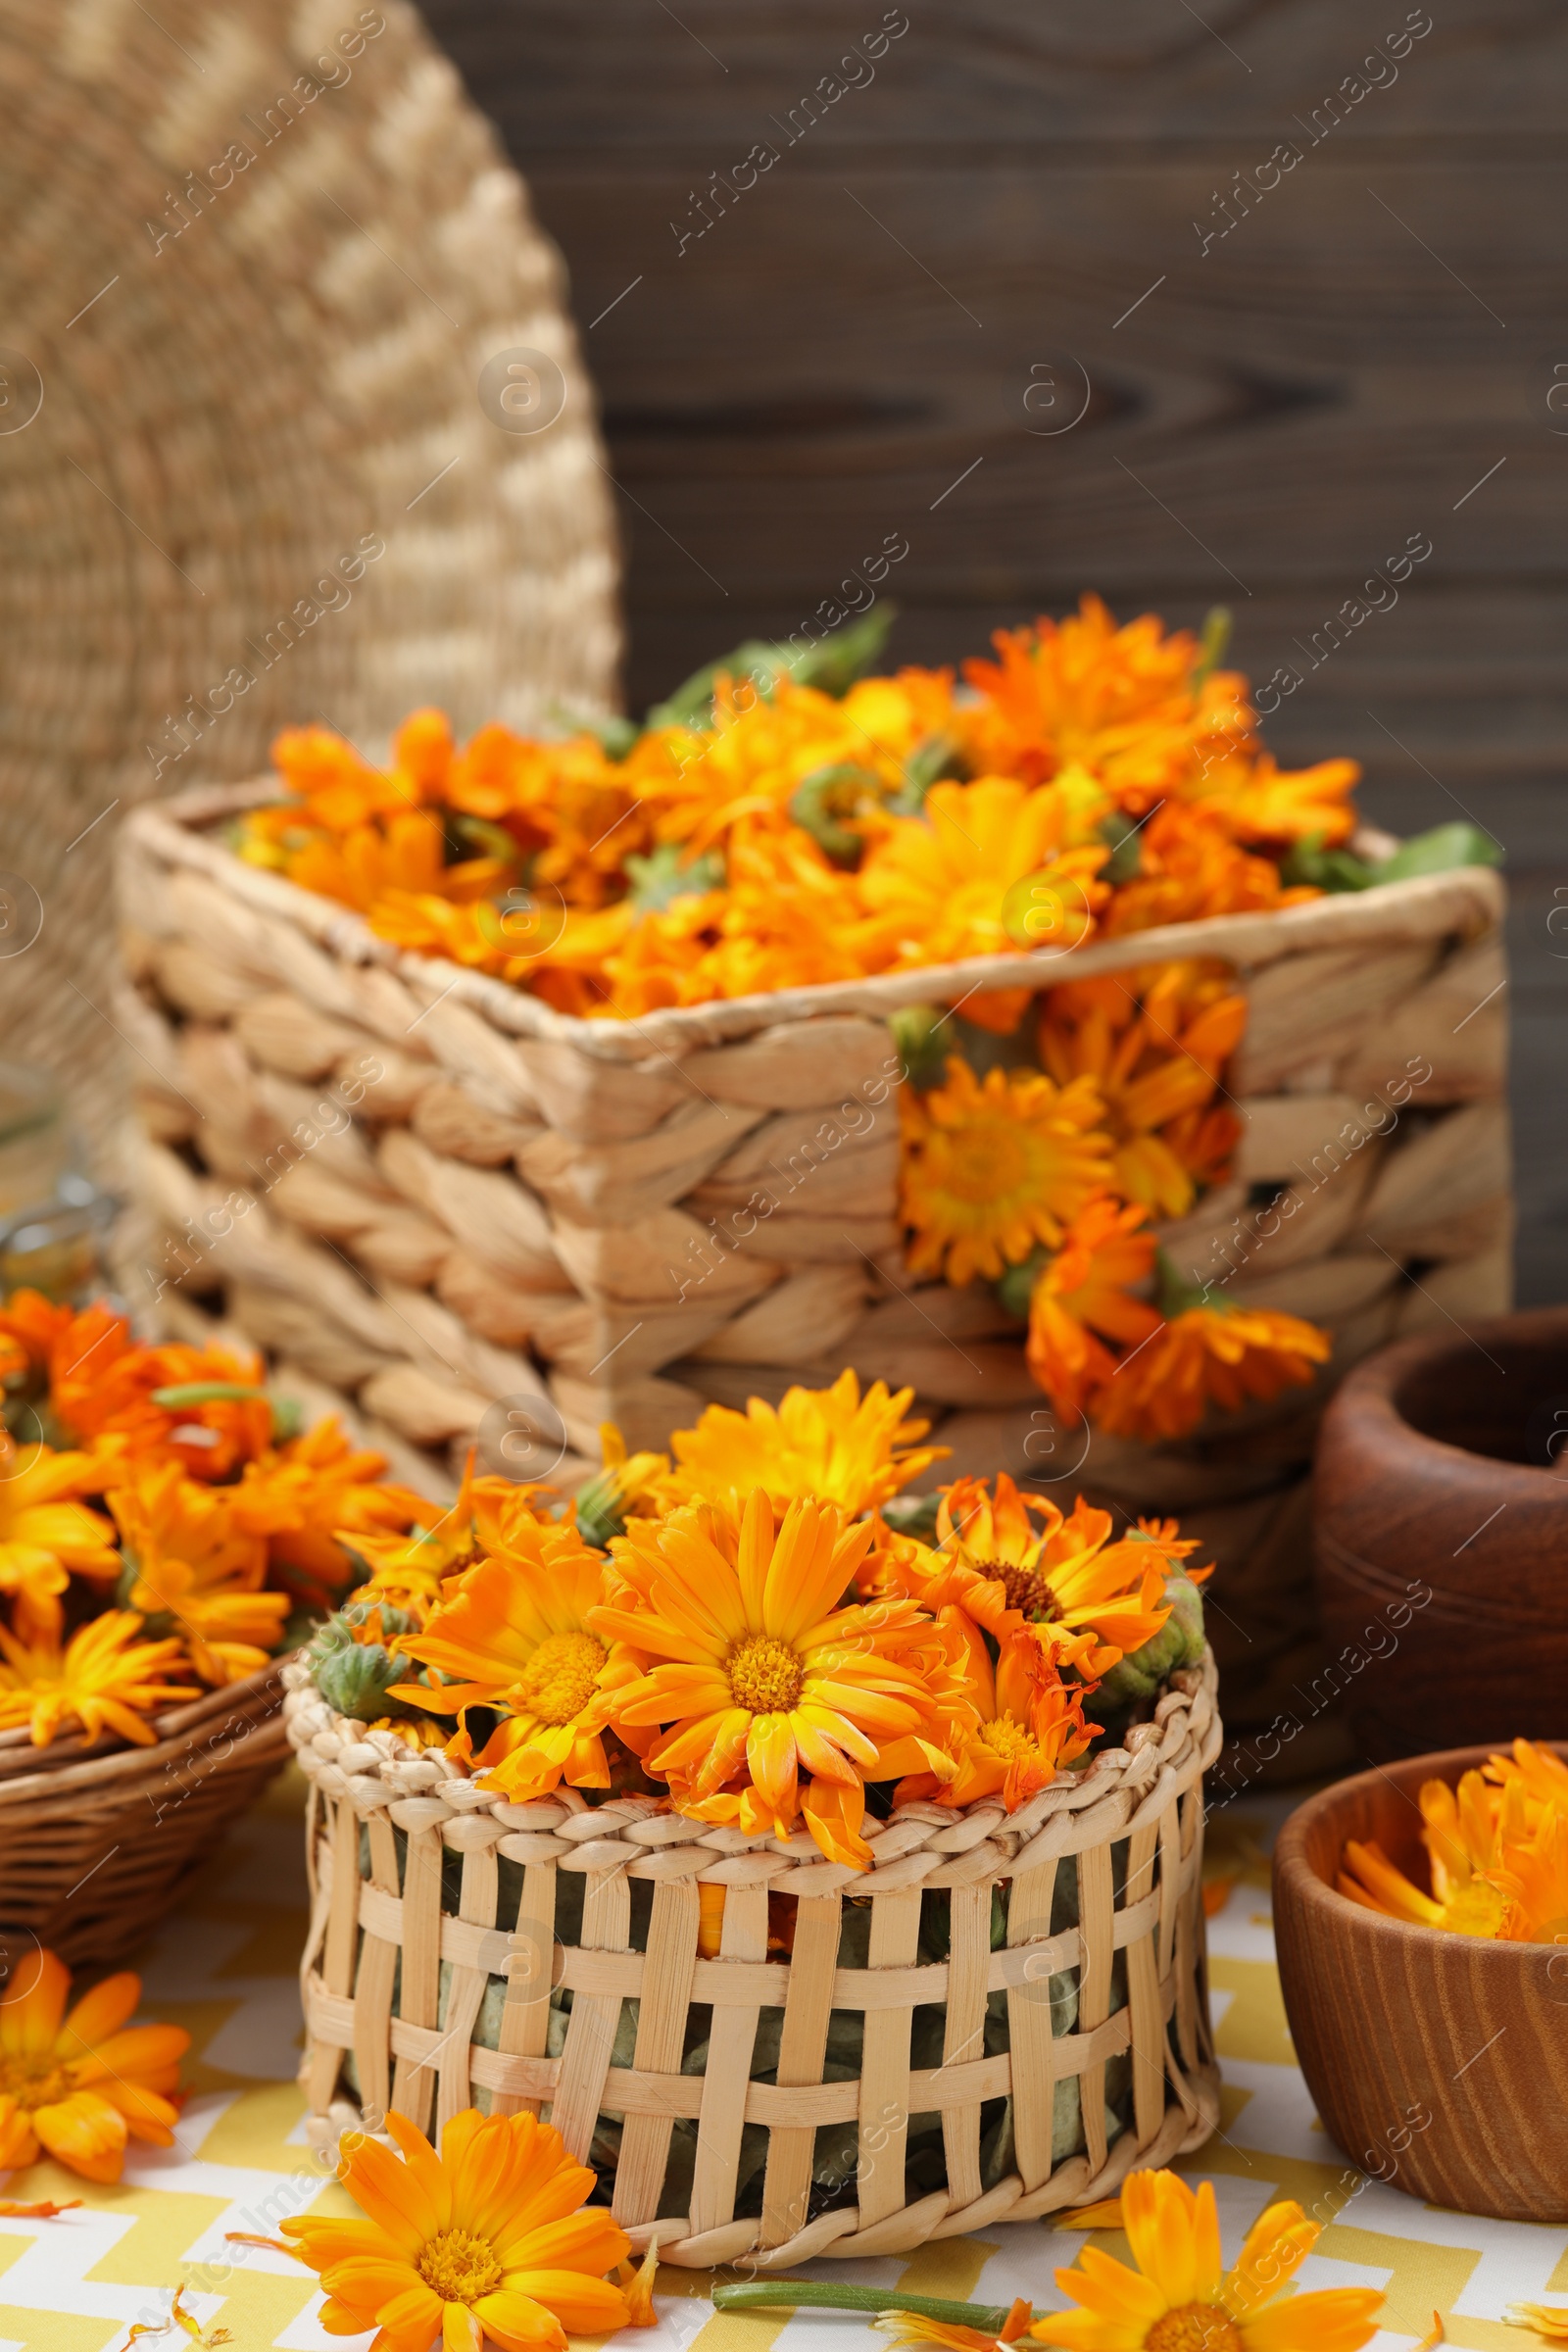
{"x":80,"y":2086}
{"x":252,"y":2237}
{"x":1549,"y":2320}
{"x":922,"y":2327}
{"x":1434,"y":2336}
{"x":493,"y":2236}
{"x":1179,"y":2295}
{"x":637,"y":2282}
{"x":208,"y":2339}
{"x":44,"y":2210}
{"x":1104,"y":2215}
{"x":1178,"y":2299}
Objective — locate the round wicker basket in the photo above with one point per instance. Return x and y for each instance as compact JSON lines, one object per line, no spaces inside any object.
{"x":262,"y":259}
{"x":97,"y":1840}
{"x":450,"y":1929}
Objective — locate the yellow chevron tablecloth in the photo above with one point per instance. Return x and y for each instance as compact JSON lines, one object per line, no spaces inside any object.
{"x":225,"y":1967}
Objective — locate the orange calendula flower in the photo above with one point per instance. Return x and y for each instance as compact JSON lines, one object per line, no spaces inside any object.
{"x":409,"y":1570}
{"x":755,"y":1674}
{"x":1181,"y":2296}
{"x":1208,"y":1354}
{"x":947,"y":878}
{"x":78,"y":2086}
{"x":515,"y":1632}
{"x":1007,"y":1562}
{"x":104,"y":1679}
{"x":1030,"y":1728}
{"x":1127,"y":703}
{"x":833,"y":1443}
{"x":47,"y":1532}
{"x":203,"y":1408}
{"x":314,"y":1498}
{"x":1261,"y":806}
{"x":197,"y":1566}
{"x":1190,"y":867}
{"x":992,"y":1167}
{"x":493,"y":2238}
{"x":1531,"y":1876}
{"x":1157,"y":1068}
{"x":1086,"y":1294}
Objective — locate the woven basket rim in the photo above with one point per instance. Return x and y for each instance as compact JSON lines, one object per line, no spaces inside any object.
{"x":1468,"y":900}
{"x":94,"y":1769}
{"x":427,"y":1776}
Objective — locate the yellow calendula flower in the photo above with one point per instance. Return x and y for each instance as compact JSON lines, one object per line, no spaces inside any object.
{"x":492,"y":2239}
{"x":989,"y":868}
{"x":754,"y":1674}
{"x":1208,"y":1353}
{"x":104,"y":1679}
{"x":1181,"y":2298}
{"x":197,"y":1566}
{"x":513,"y":1633}
{"x":994,"y":1167}
{"x":1157,"y":1068}
{"x":78,"y":2086}
{"x":1006,"y":1561}
{"x":46,"y":1532}
{"x":834,"y":1444}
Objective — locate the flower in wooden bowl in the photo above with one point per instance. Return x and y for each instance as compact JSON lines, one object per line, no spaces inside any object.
{"x":1438,"y":2059}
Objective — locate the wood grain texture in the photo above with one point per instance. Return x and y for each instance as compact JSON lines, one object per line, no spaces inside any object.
{"x":1422,"y":2050}
{"x":829,"y":350}
{"x":1440,"y":1524}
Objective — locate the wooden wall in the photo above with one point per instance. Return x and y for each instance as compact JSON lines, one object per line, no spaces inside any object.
{"x":995,"y":226}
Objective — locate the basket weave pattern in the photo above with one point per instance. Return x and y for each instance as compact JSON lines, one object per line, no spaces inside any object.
{"x":645,"y":1217}
{"x":95,"y":1847}
{"x":369,"y":1924}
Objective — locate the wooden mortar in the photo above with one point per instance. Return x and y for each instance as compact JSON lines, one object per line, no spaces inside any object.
{"x":1440,"y":1472}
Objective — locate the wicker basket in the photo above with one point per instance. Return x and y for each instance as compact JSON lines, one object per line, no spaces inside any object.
{"x":263,"y":254}
{"x":1124,"y":1985}
{"x":535,"y":1224}
{"x":97,"y":1840}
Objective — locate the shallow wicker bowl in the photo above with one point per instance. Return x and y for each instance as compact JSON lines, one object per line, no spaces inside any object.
{"x":1440,"y":2063}
{"x":97,"y":1842}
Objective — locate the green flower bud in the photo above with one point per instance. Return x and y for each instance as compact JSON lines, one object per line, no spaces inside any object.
{"x":1180,"y":1641}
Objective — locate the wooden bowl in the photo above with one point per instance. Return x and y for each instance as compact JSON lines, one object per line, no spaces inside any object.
{"x":1441,"y":1507}
{"x":1439,"y":2062}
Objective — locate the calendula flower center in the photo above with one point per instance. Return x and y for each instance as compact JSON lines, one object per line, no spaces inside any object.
{"x":458,"y":2267}
{"x":561,"y":1676}
{"x":984,"y":1163}
{"x":1025,"y":1587}
{"x":34,"y":2086}
{"x":1007,"y":1736}
{"x":1195,"y":2328}
{"x":766,"y":1674}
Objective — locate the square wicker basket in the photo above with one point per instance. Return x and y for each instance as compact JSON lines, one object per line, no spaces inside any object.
{"x":458,"y":1215}
{"x":461,"y":1945}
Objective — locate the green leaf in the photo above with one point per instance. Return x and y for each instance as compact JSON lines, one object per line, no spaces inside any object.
{"x":913,"y":1515}
{"x":834,"y":662}
{"x":1310,"y":865}
{"x":929,"y":762}
{"x":1126,"y":859}
{"x":823,"y":801}
{"x":1442,"y":851}
{"x":922,"y":1049}
{"x":1213,"y":641}
{"x":667,"y":874}
{"x":831,"y":666}
{"x":1016,"y":1287}
{"x":476,"y":837}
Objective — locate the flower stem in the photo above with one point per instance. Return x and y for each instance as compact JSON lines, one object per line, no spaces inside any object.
{"x":989,"y":2317}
